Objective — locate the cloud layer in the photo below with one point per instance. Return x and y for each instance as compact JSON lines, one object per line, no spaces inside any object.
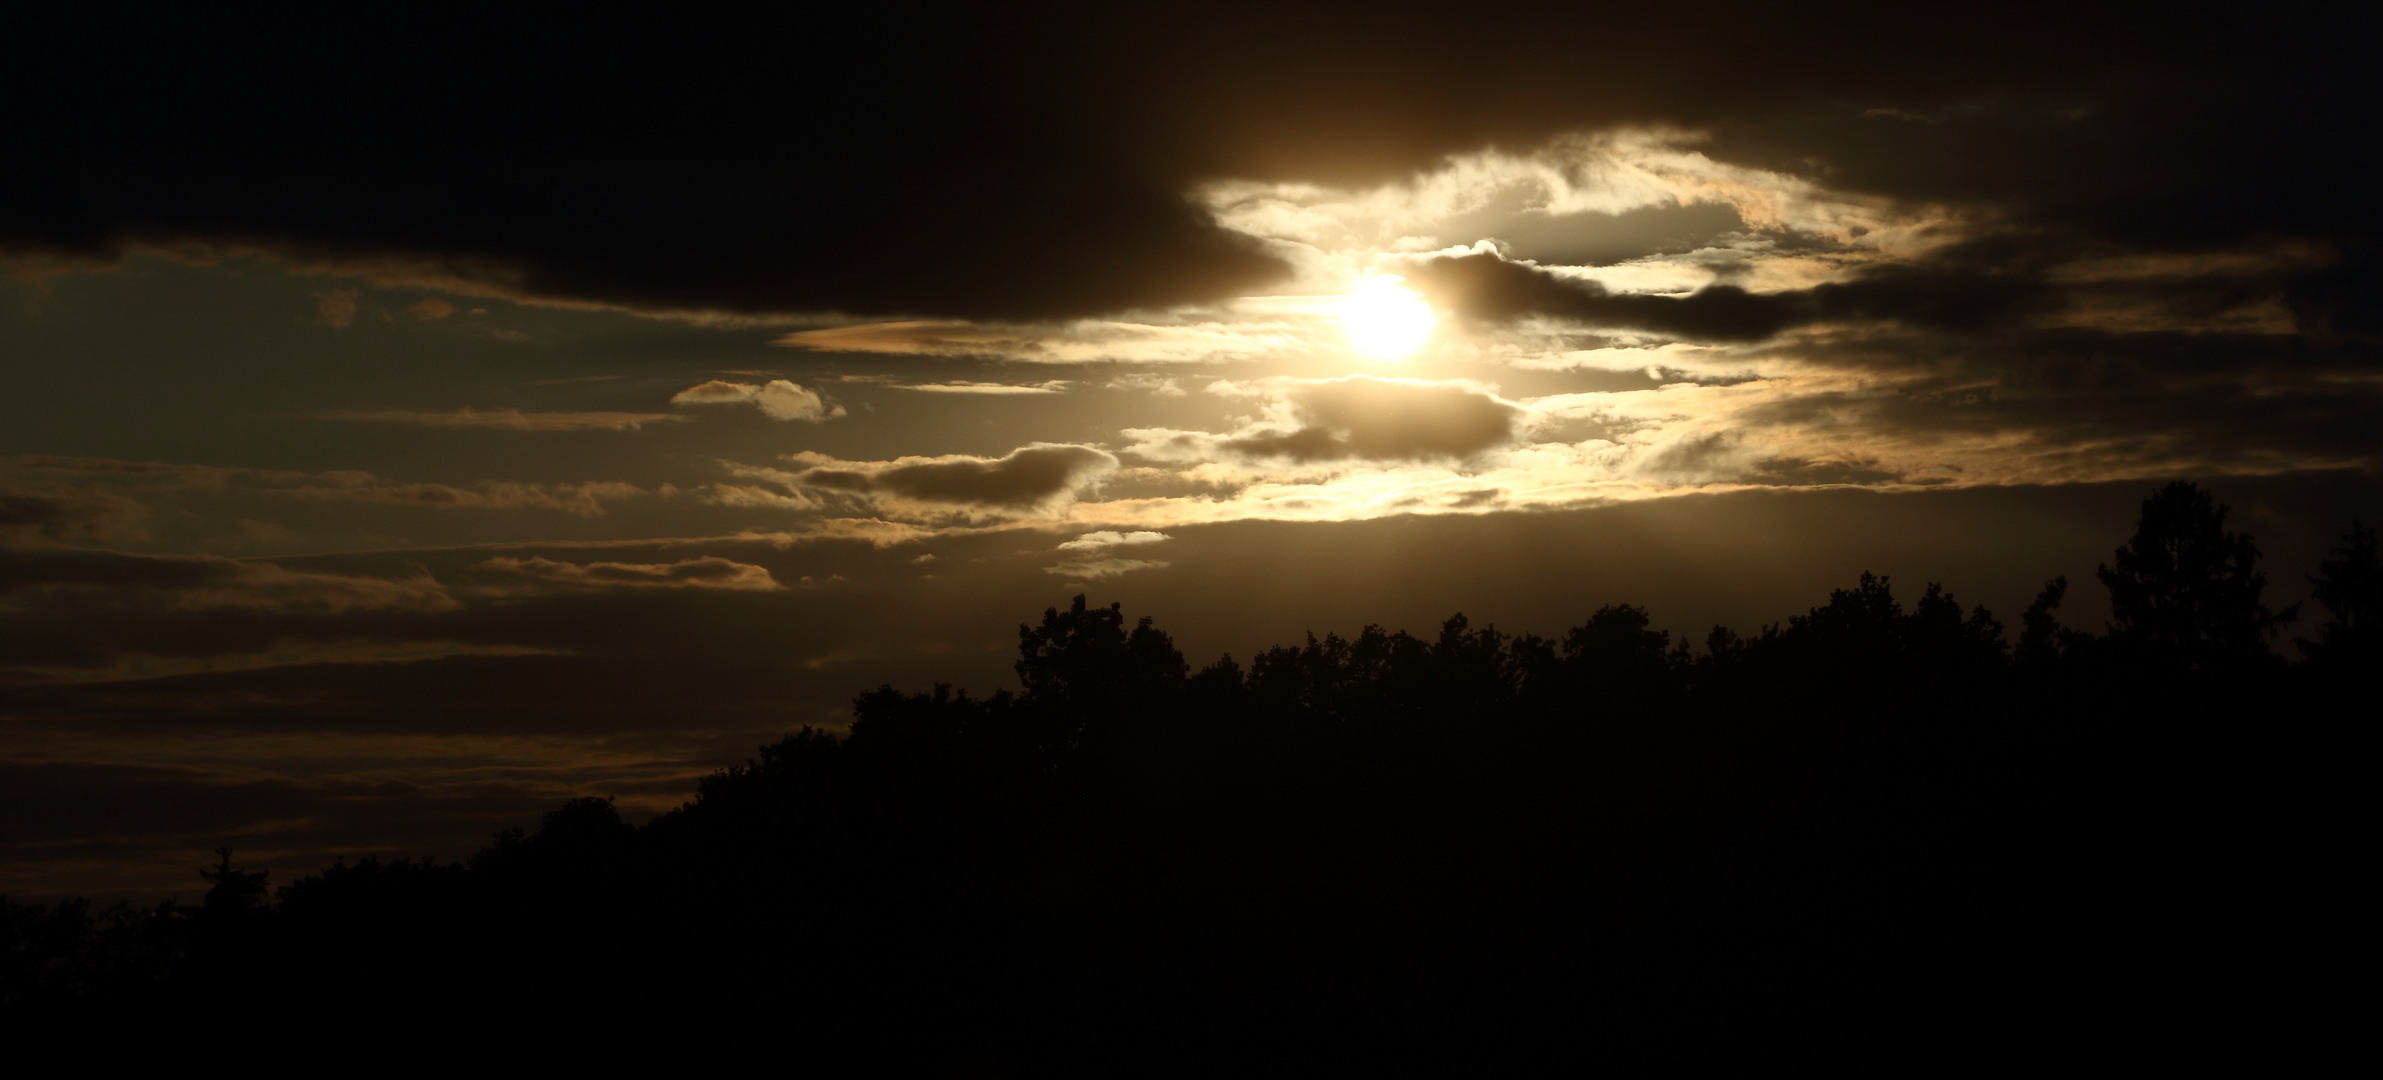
{"x":964,"y":189}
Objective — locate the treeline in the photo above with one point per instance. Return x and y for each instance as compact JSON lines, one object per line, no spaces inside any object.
{"x":1475,"y":850}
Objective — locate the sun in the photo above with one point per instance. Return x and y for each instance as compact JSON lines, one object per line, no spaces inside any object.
{"x":1384,"y":319}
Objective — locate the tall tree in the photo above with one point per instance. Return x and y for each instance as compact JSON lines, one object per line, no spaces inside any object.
{"x":2350,"y":586}
{"x":2184,"y":590}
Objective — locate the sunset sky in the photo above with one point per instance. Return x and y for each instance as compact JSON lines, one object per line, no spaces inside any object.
{"x":407,"y":423}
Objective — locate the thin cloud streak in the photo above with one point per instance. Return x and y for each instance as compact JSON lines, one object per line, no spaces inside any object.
{"x":506,"y":419}
{"x":707,"y":572}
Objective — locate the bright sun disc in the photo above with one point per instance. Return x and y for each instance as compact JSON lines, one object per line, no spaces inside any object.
{"x":1384,"y":319}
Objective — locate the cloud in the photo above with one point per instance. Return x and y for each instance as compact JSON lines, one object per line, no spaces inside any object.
{"x":249,"y":532}
{"x":964,"y":191}
{"x":1358,"y":417}
{"x":959,"y":386}
{"x":1101,"y":541}
{"x":1156,"y":385}
{"x":1488,"y":287}
{"x":21,"y":569}
{"x":93,"y":511}
{"x":1092,"y":559}
{"x":337,"y":308}
{"x":1100,"y":569}
{"x":208,"y":581}
{"x":429,"y":309}
{"x":751,"y":496}
{"x":778,"y":399}
{"x":268,"y":587}
{"x":1988,"y":282}
{"x":1244,"y":329}
{"x":136,"y":667}
{"x":175,"y":474}
{"x":580,"y":500}
{"x":1030,"y":476}
{"x":505,"y":419}
{"x":963,"y":387}
{"x":707,"y":572}
{"x":69,"y":512}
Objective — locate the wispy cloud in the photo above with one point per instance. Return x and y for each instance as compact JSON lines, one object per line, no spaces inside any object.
{"x":964,"y":387}
{"x":505,"y":419}
{"x":1158,"y":385}
{"x":340,"y":485}
{"x":1101,"y":569}
{"x":581,"y":500}
{"x":707,"y":572}
{"x":190,"y":582}
{"x":136,"y":667}
{"x":1244,"y":330}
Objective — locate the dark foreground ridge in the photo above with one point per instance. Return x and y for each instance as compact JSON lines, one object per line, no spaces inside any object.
{"x":1878,"y":826}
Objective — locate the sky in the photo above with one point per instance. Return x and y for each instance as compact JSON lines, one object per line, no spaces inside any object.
{"x":408,"y":423}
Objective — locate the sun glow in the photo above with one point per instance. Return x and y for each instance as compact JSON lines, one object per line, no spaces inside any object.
{"x":1384,"y":319}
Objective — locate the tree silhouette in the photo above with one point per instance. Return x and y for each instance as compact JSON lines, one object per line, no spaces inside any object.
{"x":234,"y":891}
{"x":2349,"y":583}
{"x":2041,"y":637}
{"x":1869,"y":810}
{"x":2186,"y":592}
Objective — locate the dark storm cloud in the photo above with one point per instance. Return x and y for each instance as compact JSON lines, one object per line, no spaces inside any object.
{"x":1487,"y":287}
{"x":2225,"y":145}
{"x":1024,"y":477}
{"x":1968,"y":287}
{"x":808,"y":160}
{"x":1032,"y":162}
{"x":2082,"y":404}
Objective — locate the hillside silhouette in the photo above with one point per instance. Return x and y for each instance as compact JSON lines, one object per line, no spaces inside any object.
{"x":1884,"y":821}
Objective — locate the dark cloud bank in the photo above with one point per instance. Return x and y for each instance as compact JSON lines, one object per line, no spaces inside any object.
{"x":1027,"y":162}
{"x":1965,"y":289}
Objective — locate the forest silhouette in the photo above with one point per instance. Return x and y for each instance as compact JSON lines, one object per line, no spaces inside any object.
{"x":1877,"y":822}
